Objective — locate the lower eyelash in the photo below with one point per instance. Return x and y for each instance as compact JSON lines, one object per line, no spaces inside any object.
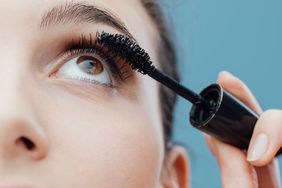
{"x":94,"y":82}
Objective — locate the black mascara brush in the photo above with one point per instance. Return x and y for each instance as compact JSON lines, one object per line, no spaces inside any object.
{"x":139,"y":60}
{"x":214,"y":111}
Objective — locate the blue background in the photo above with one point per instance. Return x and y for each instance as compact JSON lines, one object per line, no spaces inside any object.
{"x":241,"y":36}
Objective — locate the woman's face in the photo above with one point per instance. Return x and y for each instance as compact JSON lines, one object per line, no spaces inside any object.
{"x":58,"y":130}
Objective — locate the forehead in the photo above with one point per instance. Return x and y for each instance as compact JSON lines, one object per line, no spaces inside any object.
{"x":25,"y":16}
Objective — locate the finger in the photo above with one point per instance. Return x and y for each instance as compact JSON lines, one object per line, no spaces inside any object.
{"x":234,"y":169}
{"x":266,"y":139}
{"x":237,"y":88}
{"x":269,"y":175}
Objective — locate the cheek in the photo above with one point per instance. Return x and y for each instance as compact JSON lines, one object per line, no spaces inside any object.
{"x":113,"y":143}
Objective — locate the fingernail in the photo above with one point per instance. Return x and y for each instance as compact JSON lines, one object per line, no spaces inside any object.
{"x":222,"y":73}
{"x":258,"y":147}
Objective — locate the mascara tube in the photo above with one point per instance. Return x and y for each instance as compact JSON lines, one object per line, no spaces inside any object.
{"x":229,"y":120}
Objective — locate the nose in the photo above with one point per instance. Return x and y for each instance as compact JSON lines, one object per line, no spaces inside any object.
{"x":21,"y":136}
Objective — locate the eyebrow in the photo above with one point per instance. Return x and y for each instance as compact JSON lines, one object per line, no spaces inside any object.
{"x":81,"y":13}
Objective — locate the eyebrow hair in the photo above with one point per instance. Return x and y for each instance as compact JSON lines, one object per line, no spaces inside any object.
{"x":80,"y":12}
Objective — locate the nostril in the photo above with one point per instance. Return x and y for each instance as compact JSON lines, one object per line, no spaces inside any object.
{"x":27,"y":142}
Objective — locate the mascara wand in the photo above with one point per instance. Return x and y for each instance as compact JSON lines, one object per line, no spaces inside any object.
{"x":139,"y":60}
{"x":188,"y":94}
{"x":214,"y":111}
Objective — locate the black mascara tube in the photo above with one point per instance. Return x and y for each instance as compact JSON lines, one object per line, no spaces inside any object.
{"x":230,"y":120}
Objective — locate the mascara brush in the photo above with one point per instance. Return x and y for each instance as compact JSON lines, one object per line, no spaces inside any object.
{"x":214,"y":111}
{"x":140,"y":61}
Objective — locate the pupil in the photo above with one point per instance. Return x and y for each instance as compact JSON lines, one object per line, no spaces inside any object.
{"x":90,"y":65}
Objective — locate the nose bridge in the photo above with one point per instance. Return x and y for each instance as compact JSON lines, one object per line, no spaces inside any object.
{"x":14,"y":64}
{"x":16,"y":81}
{"x":12,"y":86}
{"x":18,"y":36}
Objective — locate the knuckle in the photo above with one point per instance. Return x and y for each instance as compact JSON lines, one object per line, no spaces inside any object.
{"x":271,"y":112}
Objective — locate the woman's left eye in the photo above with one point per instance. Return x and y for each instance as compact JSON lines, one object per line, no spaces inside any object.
{"x":86,"y":68}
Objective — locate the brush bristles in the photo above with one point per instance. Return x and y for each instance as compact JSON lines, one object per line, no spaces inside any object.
{"x":127,"y":48}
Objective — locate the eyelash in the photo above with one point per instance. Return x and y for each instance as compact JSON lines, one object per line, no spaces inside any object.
{"x":89,"y":46}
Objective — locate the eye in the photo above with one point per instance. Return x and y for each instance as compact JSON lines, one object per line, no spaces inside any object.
{"x":86,"y":68}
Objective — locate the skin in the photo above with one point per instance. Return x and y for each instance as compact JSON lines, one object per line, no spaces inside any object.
{"x":88,"y":135}
{"x":84,"y":134}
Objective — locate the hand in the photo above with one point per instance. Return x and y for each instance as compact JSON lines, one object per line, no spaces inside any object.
{"x":257,"y":168}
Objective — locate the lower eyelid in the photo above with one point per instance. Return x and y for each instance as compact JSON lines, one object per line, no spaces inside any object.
{"x":94,"y":82}
{"x":77,"y":80}
{"x":117,"y":85}
{"x":83,"y":87}
{"x":95,"y":91}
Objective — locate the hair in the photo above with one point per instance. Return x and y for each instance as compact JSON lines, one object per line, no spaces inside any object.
{"x":167,"y":58}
